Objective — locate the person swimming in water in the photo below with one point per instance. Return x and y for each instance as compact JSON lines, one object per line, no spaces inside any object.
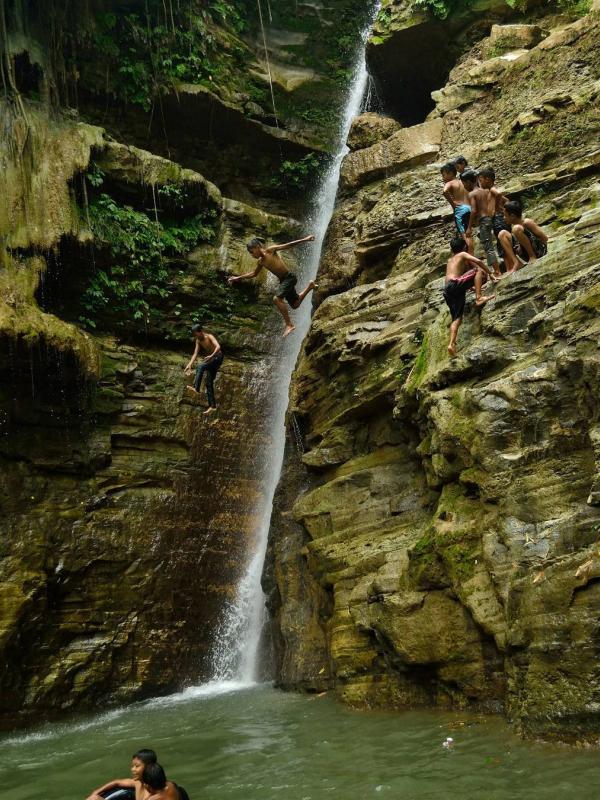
{"x":139,"y":762}
{"x":268,"y":258}
{"x":155,"y":783}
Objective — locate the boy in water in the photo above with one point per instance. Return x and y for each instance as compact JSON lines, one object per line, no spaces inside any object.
{"x":207,"y":345}
{"x":269,"y":259}
{"x":463,"y":272}
{"x":484,"y":200}
{"x":154,"y":782}
{"x":140,"y":761}
{"x":458,"y":197}
{"x":524,"y":241}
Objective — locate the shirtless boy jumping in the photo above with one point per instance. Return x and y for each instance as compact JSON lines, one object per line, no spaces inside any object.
{"x":463,"y":272}
{"x":485,"y":202}
{"x":458,"y":197}
{"x":269,"y":259}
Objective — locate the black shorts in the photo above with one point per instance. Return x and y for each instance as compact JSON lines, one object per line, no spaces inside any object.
{"x":455,"y":293}
{"x":539,"y":248}
{"x":287,"y":289}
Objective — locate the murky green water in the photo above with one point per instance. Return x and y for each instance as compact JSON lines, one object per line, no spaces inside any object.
{"x":260,"y":744}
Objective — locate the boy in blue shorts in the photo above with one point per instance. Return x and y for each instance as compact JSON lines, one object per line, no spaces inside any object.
{"x":458,"y":197}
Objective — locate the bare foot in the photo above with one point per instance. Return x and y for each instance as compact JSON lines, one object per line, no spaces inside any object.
{"x":483,"y":300}
{"x":210,"y":410}
{"x":191,"y":389}
{"x":288,"y":330}
{"x":312,"y":285}
{"x":452,"y":350}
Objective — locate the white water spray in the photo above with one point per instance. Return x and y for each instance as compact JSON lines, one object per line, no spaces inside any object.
{"x":236,"y":654}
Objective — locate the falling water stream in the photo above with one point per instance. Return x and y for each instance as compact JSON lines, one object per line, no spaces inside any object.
{"x":237,"y":642}
{"x":234,"y":739}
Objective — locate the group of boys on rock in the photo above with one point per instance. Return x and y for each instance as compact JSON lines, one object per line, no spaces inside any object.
{"x":476,"y":202}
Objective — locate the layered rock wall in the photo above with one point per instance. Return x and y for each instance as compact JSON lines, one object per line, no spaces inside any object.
{"x":138,"y":154}
{"x":436,"y":535}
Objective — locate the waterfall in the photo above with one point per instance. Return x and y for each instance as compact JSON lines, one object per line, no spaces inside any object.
{"x":238,"y":637}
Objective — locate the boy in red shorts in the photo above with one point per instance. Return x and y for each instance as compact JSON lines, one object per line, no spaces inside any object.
{"x":463,"y":272}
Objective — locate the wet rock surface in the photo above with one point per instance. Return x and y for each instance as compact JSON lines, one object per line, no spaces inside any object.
{"x":441,"y":546}
{"x":127,"y":516}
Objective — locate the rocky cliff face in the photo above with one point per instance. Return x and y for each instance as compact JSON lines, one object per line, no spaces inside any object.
{"x":436,"y":535}
{"x":139,"y":152}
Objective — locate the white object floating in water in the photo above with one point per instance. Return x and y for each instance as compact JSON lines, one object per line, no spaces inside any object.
{"x":448,"y":743}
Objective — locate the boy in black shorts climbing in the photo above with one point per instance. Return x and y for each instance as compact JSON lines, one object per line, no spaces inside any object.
{"x":463,"y":272}
{"x":269,"y":259}
{"x":524,"y":242}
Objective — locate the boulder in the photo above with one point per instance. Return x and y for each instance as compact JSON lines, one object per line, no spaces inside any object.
{"x":405,"y":148}
{"x":370,"y":128}
{"x":512,"y":37}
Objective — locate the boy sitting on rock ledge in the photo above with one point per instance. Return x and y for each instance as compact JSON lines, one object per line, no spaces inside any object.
{"x":463,"y":272}
{"x":525,"y":241}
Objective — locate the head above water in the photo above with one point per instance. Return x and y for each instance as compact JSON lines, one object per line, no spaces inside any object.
{"x":255,"y":246}
{"x":448,"y":171}
{"x":140,"y":760}
{"x":513,"y":211}
{"x":458,"y":245}
{"x":487,"y":176}
{"x":461,"y":163}
{"x":469,"y":178}
{"x":154,"y":777}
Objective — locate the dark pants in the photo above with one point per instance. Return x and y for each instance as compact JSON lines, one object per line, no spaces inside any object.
{"x":211,"y":370}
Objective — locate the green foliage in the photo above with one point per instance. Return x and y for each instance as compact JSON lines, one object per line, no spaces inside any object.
{"x":135,"y":256}
{"x":296,"y":177}
{"x":442,"y":8}
{"x":139,"y":54}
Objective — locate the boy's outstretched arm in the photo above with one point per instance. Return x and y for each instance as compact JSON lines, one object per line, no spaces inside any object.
{"x":246,"y":276}
{"x":536,"y":230}
{"x":477,"y":262}
{"x":192,"y":360}
{"x":125,"y":783}
{"x":276,"y":247}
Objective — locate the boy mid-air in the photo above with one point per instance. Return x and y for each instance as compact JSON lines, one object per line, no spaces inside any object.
{"x":458,"y":197}
{"x":209,"y":348}
{"x":268,"y":258}
{"x":463,"y":272}
{"x":525,"y":241}
{"x":485,"y":199}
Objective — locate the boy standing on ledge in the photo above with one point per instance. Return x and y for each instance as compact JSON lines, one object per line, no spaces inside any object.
{"x":207,"y":346}
{"x":269,"y":259}
{"x":458,"y":197}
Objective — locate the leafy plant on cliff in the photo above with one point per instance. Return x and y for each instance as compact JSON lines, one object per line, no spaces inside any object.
{"x":137,"y":55}
{"x":297,"y":177}
{"x":135,"y":254}
{"x":442,"y":8}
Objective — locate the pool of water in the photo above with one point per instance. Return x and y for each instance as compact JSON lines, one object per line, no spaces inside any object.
{"x":223,"y":743}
